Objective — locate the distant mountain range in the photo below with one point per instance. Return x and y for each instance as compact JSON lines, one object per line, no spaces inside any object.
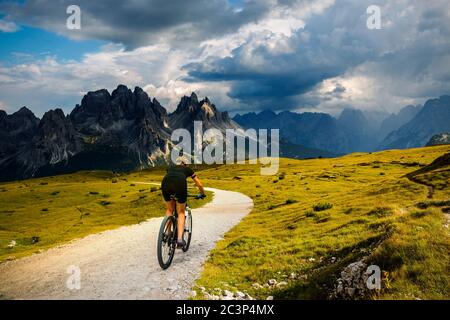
{"x":355,"y":130}
{"x":124,"y":130}
{"x":433,"y":118}
{"x":127,"y":130}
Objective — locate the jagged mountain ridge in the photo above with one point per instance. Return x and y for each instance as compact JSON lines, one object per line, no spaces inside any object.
{"x":433,"y":118}
{"x":355,"y":130}
{"x":121,"y":130}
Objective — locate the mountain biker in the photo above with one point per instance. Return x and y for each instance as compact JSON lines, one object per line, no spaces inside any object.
{"x":174,"y":184}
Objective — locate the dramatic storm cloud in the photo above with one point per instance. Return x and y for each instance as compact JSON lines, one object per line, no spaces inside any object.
{"x":139,"y":22}
{"x":244,"y":55}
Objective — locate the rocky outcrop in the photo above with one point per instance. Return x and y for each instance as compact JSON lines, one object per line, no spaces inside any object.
{"x":439,"y":139}
{"x":190,"y":109}
{"x":353,"y":282}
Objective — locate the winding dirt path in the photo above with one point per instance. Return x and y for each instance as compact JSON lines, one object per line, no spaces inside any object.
{"x":122,"y":263}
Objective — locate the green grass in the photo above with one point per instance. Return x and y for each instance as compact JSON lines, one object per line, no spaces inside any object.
{"x":313,"y":219}
{"x":340,"y":208}
{"x":62,"y":208}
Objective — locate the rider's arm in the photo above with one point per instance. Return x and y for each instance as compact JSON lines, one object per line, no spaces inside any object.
{"x":199,"y":185}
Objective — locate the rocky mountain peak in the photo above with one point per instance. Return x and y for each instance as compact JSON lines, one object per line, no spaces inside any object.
{"x":54,"y":126}
{"x":3,"y":115}
{"x":194,"y":97}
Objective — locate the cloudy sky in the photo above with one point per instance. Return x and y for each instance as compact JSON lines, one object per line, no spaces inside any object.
{"x":245,"y":55}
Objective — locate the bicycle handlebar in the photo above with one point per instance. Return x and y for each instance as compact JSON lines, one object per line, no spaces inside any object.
{"x":197,"y":197}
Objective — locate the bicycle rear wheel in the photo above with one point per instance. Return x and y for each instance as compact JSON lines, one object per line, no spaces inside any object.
{"x":187,"y":235}
{"x":166,"y":241}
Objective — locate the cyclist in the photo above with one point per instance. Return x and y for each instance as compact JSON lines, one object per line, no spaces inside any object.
{"x":174,"y":184}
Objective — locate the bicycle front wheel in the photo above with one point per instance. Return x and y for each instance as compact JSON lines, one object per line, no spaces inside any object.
{"x":166,"y":242}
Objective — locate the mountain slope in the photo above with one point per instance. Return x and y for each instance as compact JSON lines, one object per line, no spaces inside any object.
{"x":432,"y":119}
{"x":311,"y":130}
{"x":16,"y":130}
{"x":359,"y":131}
{"x":395,"y":121}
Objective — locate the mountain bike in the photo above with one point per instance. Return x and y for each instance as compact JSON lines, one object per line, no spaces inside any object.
{"x":167,"y":237}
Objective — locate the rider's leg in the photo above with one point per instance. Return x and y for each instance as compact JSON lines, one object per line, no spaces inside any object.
{"x":170,"y":207}
{"x":181,"y":207}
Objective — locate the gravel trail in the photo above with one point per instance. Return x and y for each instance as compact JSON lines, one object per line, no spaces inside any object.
{"x":122,"y":263}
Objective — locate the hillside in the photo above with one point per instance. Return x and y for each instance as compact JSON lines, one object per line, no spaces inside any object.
{"x":41,"y":213}
{"x":376,"y":214}
{"x":309,"y":222}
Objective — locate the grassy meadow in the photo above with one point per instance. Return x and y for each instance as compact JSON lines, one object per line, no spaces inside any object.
{"x":41,"y":213}
{"x":318,"y":216}
{"x":312,"y":219}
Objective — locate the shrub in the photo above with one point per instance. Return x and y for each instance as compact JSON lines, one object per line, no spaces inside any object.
{"x":322,"y":206}
{"x":114,"y":180}
{"x":291,"y":201}
{"x":311,"y":214}
{"x":153,"y":189}
{"x":105,"y":203}
{"x":322,"y":217}
{"x":380,"y":212}
{"x":93,"y":192}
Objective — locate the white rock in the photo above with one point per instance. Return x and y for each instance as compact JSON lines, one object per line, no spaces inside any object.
{"x":281,"y":284}
{"x":227,"y":293}
{"x":269,"y":298}
{"x":293,"y":275}
{"x":272,"y":282}
{"x":239,"y":295}
{"x":193,"y":293}
{"x":248,"y":297}
{"x":12,"y":244}
{"x":257,"y":286}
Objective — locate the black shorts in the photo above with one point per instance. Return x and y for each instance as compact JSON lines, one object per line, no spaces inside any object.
{"x":174,"y":185}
